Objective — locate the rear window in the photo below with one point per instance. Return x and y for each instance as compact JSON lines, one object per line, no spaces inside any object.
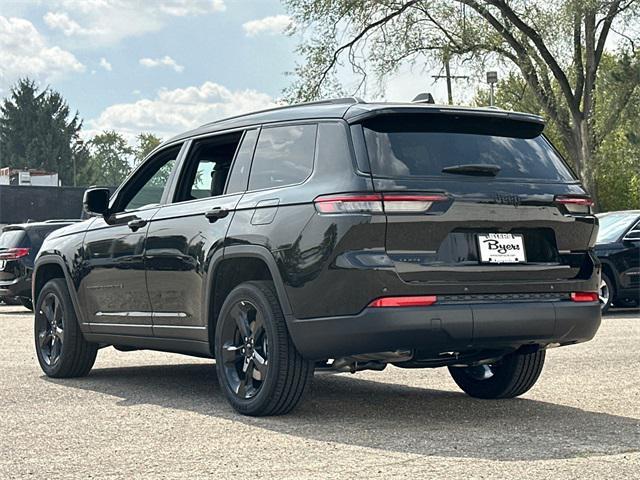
{"x":12,"y":239}
{"x":283,"y":156}
{"x":424,"y":145}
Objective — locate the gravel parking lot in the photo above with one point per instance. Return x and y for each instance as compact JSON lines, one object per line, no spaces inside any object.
{"x":147,"y":414}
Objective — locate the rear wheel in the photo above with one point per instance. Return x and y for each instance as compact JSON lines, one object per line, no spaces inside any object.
{"x":510,"y":377}
{"x":605,"y":293}
{"x":61,"y":349}
{"x":259,"y":369}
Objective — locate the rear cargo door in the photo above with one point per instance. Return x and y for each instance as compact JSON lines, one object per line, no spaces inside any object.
{"x":472,"y":198}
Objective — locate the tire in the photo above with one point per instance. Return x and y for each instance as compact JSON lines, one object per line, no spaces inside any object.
{"x":26,"y":303}
{"x":61,"y":349}
{"x":259,"y":369}
{"x":606,"y":293}
{"x":512,"y":376}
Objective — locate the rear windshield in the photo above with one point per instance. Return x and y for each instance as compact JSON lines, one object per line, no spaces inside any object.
{"x":12,"y":238}
{"x":422,"y":146}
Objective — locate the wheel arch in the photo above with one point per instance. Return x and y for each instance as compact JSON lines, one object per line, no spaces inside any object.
{"x":609,"y":270}
{"x":240,"y":264}
{"x":48,"y":268}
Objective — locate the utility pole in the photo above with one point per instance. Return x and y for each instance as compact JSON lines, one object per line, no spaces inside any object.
{"x":492,"y":79}
{"x":448,"y":77}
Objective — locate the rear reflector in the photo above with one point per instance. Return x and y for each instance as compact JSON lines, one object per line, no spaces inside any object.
{"x":420,"y":301}
{"x":376,"y":203}
{"x":584,"y":297}
{"x":13,"y":253}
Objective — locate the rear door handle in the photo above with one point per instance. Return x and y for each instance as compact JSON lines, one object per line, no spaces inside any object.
{"x":136,"y":224}
{"x":216,"y":213}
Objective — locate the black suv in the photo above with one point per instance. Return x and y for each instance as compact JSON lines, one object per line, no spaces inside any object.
{"x":19,"y":245}
{"x":340,"y":235}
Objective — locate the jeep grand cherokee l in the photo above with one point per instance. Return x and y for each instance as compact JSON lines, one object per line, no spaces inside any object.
{"x":341,"y":235}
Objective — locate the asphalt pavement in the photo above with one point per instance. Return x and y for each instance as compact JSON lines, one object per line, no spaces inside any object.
{"x":156,"y":415}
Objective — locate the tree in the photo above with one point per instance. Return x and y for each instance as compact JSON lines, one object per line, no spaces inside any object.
{"x":109,"y":160}
{"x":37,"y":130}
{"x":147,"y":142}
{"x":617,"y":169}
{"x":557,"y":47}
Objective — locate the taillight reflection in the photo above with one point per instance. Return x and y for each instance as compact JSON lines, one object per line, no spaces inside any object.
{"x":580,"y":205}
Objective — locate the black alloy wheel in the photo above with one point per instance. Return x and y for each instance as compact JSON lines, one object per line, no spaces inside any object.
{"x":50,"y":329}
{"x":259,"y":369}
{"x":61,"y":348}
{"x":509,"y":377}
{"x":245,"y":349}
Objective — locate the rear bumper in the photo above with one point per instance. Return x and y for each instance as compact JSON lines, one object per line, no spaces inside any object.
{"x":20,"y":287}
{"x":446,"y":328}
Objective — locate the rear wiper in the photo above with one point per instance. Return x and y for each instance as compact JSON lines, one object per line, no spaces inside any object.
{"x":481,"y":169}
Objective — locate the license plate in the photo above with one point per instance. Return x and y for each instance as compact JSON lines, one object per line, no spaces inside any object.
{"x":501,"y":248}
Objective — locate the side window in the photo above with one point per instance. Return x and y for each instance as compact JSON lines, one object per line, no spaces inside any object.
{"x":240,"y":170}
{"x":284,"y":156}
{"x":206,"y":170}
{"x":148,"y":186}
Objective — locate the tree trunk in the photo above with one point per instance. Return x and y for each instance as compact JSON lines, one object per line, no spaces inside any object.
{"x":583,"y":152}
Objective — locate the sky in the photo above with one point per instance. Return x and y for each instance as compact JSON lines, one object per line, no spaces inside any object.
{"x":160,"y":66}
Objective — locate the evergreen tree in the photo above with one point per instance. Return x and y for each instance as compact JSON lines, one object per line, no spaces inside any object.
{"x":38,"y":130}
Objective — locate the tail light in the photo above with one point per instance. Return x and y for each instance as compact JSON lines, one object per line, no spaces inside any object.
{"x":413,"y":301}
{"x":584,"y":297}
{"x":575,"y":204}
{"x":377,"y":203}
{"x":13,"y":253}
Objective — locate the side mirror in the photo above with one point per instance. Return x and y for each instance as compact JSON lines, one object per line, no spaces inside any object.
{"x":96,"y":201}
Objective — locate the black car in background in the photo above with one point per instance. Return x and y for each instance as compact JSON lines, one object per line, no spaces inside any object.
{"x":618,"y":248}
{"x":19,"y":245}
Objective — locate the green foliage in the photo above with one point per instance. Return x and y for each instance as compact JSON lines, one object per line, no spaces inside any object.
{"x":37,"y":130}
{"x":557,"y":49}
{"x":147,"y":142}
{"x":109,"y":161}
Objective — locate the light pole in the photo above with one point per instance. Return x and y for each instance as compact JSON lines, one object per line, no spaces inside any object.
{"x":492,"y":79}
{"x":79,"y":144}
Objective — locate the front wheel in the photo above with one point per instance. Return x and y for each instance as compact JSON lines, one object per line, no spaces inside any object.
{"x":61,"y":349}
{"x":509,"y":377}
{"x":259,"y":369}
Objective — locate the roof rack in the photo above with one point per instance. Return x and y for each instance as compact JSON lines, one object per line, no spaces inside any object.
{"x":327,"y":101}
{"x":65,"y":220}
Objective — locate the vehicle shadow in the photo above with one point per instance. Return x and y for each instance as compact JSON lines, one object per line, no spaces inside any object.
{"x":386,"y":416}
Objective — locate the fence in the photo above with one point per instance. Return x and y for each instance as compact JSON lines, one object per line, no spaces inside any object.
{"x":19,"y":204}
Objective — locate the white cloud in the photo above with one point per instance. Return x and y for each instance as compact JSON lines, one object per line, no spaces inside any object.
{"x":269,"y":25}
{"x":26,"y":53}
{"x":61,"y":21}
{"x":104,"y":63}
{"x":165,"y":61}
{"x":175,"y":111}
{"x":106,"y":22}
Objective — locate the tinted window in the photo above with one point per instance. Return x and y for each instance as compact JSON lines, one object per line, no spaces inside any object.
{"x":407,"y":147}
{"x":613,"y":225}
{"x":149,"y":186}
{"x":284,"y":156}
{"x":12,"y":239}
{"x":240,"y":170}
{"x":207,"y":167}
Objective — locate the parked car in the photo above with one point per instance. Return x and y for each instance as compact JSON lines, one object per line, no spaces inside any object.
{"x":19,"y":245}
{"x":618,"y":248}
{"x":341,"y":235}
